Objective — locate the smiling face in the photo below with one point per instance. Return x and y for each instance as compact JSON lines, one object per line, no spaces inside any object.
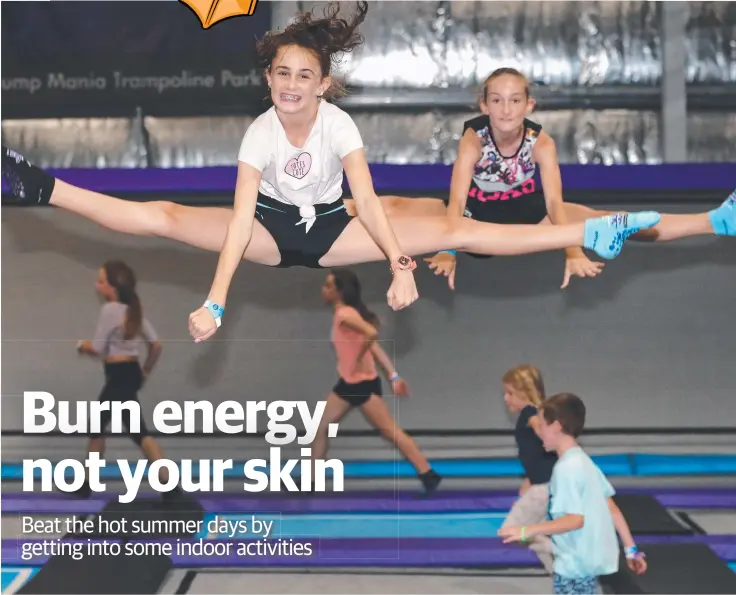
{"x":296,"y":80}
{"x":507,"y":102}
{"x":551,"y":434}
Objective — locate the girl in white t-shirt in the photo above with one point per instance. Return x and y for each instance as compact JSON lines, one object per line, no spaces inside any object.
{"x":288,"y":207}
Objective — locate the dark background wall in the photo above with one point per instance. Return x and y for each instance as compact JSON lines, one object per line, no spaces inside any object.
{"x":649,"y":343}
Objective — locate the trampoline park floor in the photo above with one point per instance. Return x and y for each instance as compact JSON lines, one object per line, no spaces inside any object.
{"x":371,"y":540}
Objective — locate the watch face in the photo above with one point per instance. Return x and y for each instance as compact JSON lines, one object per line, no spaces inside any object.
{"x":404,"y":261}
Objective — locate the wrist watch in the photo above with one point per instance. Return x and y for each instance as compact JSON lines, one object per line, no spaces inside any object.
{"x":403,"y":263}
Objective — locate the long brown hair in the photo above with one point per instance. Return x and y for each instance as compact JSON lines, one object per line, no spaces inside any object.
{"x":121,"y":277}
{"x":348,"y":285}
{"x":326,"y":38}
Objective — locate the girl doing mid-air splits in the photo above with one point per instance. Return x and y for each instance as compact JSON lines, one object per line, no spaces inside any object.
{"x":354,"y":336}
{"x":288,"y":206}
{"x":493,"y":182}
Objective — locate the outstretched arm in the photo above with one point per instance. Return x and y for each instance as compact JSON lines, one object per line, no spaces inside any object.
{"x":368,"y":205}
{"x":239,"y":232}
{"x":634,"y":559}
{"x":371,"y":213}
{"x":397,"y":382}
{"x":545,"y":155}
{"x":563,"y":524}
{"x":468,"y":154}
{"x":385,"y":361}
{"x":202,"y":324}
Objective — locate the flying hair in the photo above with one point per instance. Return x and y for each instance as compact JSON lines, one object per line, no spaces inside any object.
{"x":327,"y":38}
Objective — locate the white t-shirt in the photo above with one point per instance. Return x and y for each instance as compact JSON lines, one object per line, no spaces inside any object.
{"x":307,"y":176}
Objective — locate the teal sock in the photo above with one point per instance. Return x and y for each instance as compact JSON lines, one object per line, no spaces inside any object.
{"x":723,"y":219}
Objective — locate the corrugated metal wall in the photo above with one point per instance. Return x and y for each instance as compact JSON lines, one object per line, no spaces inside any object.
{"x":597,"y":70}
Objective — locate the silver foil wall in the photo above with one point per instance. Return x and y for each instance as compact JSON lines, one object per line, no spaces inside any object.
{"x":440,"y":46}
{"x":582,"y":136}
{"x":566,"y":43}
{"x":553,"y":43}
{"x":710,"y":42}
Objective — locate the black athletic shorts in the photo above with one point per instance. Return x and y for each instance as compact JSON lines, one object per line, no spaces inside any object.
{"x":123,"y":380}
{"x":297,"y":247}
{"x":358,"y":394}
{"x":529,"y":209}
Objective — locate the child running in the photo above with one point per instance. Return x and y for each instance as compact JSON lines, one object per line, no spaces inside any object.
{"x":584,"y":519}
{"x":122,"y":334}
{"x":524,"y":394}
{"x":354,"y":335}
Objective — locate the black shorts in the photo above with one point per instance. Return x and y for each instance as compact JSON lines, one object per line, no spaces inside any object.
{"x":297,"y":247}
{"x":529,"y":209}
{"x":123,"y":380}
{"x":358,"y":394}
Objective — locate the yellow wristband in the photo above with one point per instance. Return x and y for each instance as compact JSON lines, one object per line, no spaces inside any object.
{"x":523,"y":531}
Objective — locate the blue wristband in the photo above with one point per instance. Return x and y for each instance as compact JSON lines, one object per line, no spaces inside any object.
{"x":216,"y":310}
{"x":395,"y":377}
{"x":450,"y":252}
{"x":631,"y":552}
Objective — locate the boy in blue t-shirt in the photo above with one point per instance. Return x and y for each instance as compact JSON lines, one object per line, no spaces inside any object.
{"x":584,"y":519}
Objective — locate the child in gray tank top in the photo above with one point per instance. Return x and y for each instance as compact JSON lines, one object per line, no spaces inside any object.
{"x":121,"y":334}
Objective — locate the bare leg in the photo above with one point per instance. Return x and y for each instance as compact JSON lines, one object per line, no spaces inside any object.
{"x":377,"y":413}
{"x":153,"y":453}
{"x":400,"y":206}
{"x":96,"y":445}
{"x":335,"y":409}
{"x":201,"y":227}
{"x":421,"y":235}
{"x":205,"y":228}
{"x":670,"y":227}
{"x":31,"y":185}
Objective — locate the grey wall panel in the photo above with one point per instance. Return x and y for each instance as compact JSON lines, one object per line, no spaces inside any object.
{"x":710,"y":34}
{"x":582,"y":136}
{"x":195,"y":142}
{"x":78,"y":142}
{"x":649,"y":343}
{"x":712,"y":137}
{"x":413,"y":44}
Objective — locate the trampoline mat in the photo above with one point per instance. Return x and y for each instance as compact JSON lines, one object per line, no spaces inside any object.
{"x":365,"y":581}
{"x":406,"y":539}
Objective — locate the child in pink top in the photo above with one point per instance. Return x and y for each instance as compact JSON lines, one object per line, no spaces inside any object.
{"x":354,"y":335}
{"x":355,"y":360}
